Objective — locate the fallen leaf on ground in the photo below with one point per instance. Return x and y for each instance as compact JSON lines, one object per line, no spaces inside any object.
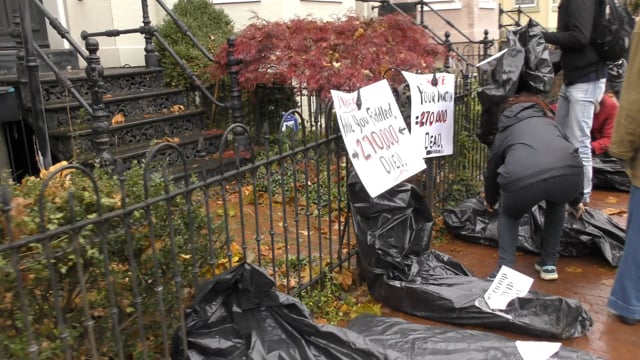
{"x":177,"y":108}
{"x":118,"y":119}
{"x":374,"y":309}
{"x":573,"y":269}
{"x":614,"y":211}
{"x":607,"y":282}
{"x":611,"y":200}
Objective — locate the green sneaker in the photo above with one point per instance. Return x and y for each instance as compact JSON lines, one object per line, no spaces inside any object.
{"x":547,"y":272}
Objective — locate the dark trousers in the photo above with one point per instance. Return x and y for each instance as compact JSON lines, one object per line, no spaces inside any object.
{"x":556,"y":192}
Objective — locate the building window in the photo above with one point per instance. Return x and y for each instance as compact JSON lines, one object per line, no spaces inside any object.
{"x":526,"y":3}
{"x":487,"y":4}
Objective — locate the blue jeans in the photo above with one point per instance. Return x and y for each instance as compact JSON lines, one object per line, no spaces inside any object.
{"x":625,"y":294}
{"x":576,"y":105}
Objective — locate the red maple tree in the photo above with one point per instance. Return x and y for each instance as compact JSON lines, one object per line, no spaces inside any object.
{"x":319,"y":56}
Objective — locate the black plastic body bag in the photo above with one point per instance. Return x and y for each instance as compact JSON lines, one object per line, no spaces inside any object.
{"x":240,"y":314}
{"x":393,"y":232}
{"x":594,"y":233}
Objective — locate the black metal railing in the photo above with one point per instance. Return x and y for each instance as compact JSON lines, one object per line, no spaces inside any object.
{"x":514,"y":18}
{"x":104,"y":263}
{"x":485,"y":44}
{"x":29,"y":54}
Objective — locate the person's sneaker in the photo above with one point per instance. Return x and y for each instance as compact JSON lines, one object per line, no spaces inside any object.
{"x":627,"y":320}
{"x":493,"y":274}
{"x":547,"y":272}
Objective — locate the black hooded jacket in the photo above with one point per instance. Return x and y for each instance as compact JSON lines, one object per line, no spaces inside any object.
{"x":576,"y":19}
{"x":528,"y":148}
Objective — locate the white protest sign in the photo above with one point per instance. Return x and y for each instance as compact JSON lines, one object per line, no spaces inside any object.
{"x":508,"y":285}
{"x":377,"y":139}
{"x":432,"y":112}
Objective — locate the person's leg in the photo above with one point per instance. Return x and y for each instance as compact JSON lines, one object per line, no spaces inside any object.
{"x":554,"y":214}
{"x":625,"y":294}
{"x":558,"y":191}
{"x":581,"y":100}
{"x":507,"y":239}
{"x":562,"y":109}
{"x":512,"y":207}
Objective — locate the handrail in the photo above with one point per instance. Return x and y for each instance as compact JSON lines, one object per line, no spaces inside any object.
{"x":112,"y":32}
{"x":446,"y":21}
{"x":63,"y":80}
{"x":438,"y":39}
{"x":179,"y":23}
{"x":516,"y":22}
{"x":60,"y":29}
{"x":185,"y":30}
{"x":194,"y":79}
{"x":152,"y":31}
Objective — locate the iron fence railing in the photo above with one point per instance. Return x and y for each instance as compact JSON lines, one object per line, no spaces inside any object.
{"x":103,"y":263}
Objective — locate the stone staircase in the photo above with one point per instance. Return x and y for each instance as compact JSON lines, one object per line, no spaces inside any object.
{"x":145,"y":111}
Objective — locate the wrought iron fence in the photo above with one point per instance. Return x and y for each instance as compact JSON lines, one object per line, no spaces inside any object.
{"x":104,"y":262}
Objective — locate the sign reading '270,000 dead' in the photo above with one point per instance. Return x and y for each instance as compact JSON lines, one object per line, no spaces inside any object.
{"x":376,"y":137}
{"x":432,"y":105}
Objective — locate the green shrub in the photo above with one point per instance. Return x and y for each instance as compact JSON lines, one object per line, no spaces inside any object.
{"x":209,"y":24}
{"x":63,"y":274}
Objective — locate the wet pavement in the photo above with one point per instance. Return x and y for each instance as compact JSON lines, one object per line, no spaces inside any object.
{"x":587,"y":279}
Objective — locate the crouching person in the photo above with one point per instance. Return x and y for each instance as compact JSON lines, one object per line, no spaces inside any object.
{"x":530,"y":161}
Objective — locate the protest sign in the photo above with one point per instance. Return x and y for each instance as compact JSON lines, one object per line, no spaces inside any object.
{"x":508,"y":285}
{"x":377,"y":139}
{"x":432,"y":112}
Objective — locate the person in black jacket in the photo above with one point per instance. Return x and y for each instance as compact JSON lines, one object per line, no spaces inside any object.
{"x":531,"y":160}
{"x":584,"y":76}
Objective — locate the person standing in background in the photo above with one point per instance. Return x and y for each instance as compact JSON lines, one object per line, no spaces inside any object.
{"x":584,"y":77}
{"x":624,"y":300}
{"x":603,"y":121}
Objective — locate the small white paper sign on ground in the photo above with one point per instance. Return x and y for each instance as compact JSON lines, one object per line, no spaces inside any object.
{"x":508,"y":285}
{"x":537,"y":350}
{"x":377,"y":139}
{"x":432,"y":106}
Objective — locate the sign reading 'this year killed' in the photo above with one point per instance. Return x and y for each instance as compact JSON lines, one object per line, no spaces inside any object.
{"x":432,"y":112}
{"x":377,"y":139}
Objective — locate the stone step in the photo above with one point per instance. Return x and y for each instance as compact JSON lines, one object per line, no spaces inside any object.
{"x":64,"y":59}
{"x":135,"y":103}
{"x":117,"y":81}
{"x":192,"y":144}
{"x":140,"y":128}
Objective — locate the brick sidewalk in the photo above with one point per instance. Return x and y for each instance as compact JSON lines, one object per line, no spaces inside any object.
{"x":587,"y":279}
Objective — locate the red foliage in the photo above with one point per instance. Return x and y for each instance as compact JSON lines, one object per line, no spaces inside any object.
{"x":323,"y":55}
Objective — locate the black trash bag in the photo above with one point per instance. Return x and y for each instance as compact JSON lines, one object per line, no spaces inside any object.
{"x":537,"y":74}
{"x":240,"y":315}
{"x":594,"y":233}
{"x":609,"y":174}
{"x":418,"y":341}
{"x":525,"y":66}
{"x":432,"y":285}
{"x":505,"y":70}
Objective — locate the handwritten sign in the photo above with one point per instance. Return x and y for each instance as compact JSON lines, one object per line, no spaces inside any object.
{"x":376,"y":137}
{"x":432,"y":112}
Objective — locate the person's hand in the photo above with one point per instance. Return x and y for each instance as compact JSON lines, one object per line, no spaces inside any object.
{"x":488,"y":207}
{"x":577,"y":211}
